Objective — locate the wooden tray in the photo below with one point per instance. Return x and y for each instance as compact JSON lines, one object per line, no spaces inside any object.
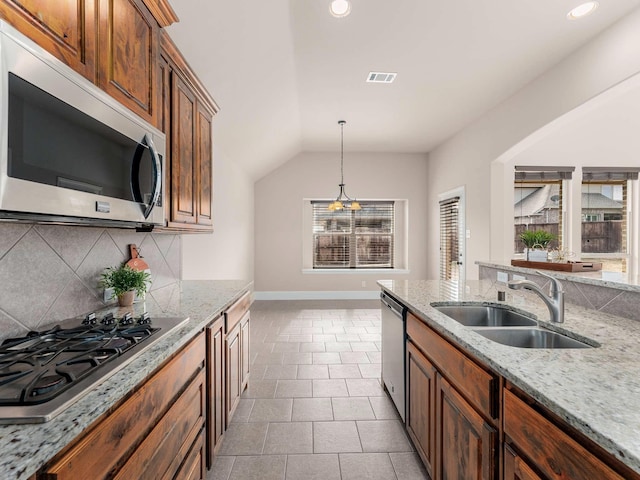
{"x":561,"y":267}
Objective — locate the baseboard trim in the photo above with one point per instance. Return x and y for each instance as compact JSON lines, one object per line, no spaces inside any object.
{"x":318,"y":295}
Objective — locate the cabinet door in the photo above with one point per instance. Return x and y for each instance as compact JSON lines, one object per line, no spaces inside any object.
{"x":465,"y":442}
{"x":515,"y":468}
{"x":204,"y":166}
{"x":128,"y":39}
{"x":421,"y":382}
{"x":65,"y":29}
{"x":215,"y":397}
{"x":245,"y":360}
{"x":193,"y":467}
{"x":234,"y":367}
{"x":183,"y":152}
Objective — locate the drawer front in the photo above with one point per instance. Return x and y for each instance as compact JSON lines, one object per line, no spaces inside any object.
{"x":162,"y":451}
{"x":194,"y":465}
{"x":557,"y":455}
{"x":99,"y":451}
{"x":236,"y":311}
{"x":476,"y":384}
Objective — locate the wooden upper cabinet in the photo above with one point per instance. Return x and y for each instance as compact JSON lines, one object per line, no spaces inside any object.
{"x":65,"y":29}
{"x":183,"y":153}
{"x":128,"y":36}
{"x":187,"y":120}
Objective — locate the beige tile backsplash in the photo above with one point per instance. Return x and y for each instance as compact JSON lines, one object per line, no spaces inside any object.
{"x":51,"y":272}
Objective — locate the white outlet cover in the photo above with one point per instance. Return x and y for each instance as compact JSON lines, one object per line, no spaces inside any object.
{"x":503,"y":277}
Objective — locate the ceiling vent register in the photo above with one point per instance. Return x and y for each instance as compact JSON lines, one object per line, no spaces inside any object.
{"x":381,"y":77}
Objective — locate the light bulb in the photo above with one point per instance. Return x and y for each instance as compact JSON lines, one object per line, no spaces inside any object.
{"x":340,"y":8}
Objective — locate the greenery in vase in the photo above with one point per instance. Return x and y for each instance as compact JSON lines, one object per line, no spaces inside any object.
{"x":537,"y":238}
{"x":124,"y":279}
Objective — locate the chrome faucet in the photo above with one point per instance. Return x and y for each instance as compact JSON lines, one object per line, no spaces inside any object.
{"x":555,"y":299}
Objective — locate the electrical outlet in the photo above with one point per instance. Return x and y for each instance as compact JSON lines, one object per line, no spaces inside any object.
{"x":503,"y":277}
{"x":364,"y":284}
{"x":107,"y":295}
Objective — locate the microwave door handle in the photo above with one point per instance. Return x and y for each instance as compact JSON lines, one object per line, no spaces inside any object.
{"x":146,"y":143}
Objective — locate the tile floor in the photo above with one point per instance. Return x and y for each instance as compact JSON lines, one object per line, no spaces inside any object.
{"x":314,"y":408}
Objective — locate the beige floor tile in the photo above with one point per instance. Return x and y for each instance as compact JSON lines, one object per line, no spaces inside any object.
{"x":266,"y":467}
{"x":383,"y":436}
{"x":260,"y":389}
{"x":280,"y":372}
{"x":408,"y":466}
{"x":370,"y":337}
{"x":330,"y":388}
{"x":286,"y":347}
{"x":271,"y":410}
{"x":265,"y":358}
{"x":313,"y":467}
{"x":363,"y":347}
{"x":366,"y":466}
{"x":352,"y":408}
{"x":355,"y":329}
{"x":375,"y":357}
{"x":325,"y":358}
{"x":324,"y":338}
{"x":311,"y":330}
{"x":301,"y":338}
{"x":296,"y":358}
{"x":243,"y":410}
{"x":293,"y":388}
{"x":337,"y":346}
{"x":384,"y":408}
{"x":333,"y":329}
{"x":286,"y":438}
{"x":370,"y":370}
{"x":221,"y":468}
{"x":335,"y":437}
{"x":311,"y":409}
{"x":365,"y":387}
{"x":354,"y":357}
{"x":244,"y":439}
{"x":312,"y":347}
{"x":347,"y":337}
{"x":344,"y":371}
{"x":312,"y":371}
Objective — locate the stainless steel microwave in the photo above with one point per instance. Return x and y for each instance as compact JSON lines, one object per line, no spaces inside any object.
{"x":69,"y":153}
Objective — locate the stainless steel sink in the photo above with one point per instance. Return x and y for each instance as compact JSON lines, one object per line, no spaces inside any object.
{"x":485,"y":316}
{"x":530,"y":338}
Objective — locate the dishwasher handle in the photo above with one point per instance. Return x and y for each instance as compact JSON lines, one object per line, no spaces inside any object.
{"x":393,"y":305}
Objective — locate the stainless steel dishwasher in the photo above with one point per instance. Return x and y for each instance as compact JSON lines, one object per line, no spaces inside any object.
{"x":393,"y":350}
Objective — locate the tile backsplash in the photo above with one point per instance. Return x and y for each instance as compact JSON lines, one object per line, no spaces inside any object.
{"x":51,"y":272}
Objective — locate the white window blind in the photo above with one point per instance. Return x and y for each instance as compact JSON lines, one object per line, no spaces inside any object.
{"x":450,"y":239}
{"x":353,"y":238}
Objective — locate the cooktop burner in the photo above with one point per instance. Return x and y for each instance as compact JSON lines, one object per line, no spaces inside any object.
{"x":44,"y":372}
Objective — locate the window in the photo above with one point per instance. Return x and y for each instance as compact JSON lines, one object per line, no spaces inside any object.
{"x":539,"y":202}
{"x":450,"y":239}
{"x":353,"y":239}
{"x":605,"y":209}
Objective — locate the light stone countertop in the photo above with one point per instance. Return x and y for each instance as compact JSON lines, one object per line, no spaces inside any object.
{"x":25,"y":448}
{"x":595,"y":390}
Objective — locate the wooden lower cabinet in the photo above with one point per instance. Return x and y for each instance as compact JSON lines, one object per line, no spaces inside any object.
{"x":245,"y":360}
{"x":553,"y":451}
{"x":421,"y":385}
{"x":215,"y":387}
{"x":516,"y":468}
{"x":151,"y":434}
{"x":233,"y":367}
{"x":465,"y":442}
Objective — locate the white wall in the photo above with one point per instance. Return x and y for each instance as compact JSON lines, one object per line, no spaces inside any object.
{"x":466,"y":158}
{"x":227,"y":253}
{"x":279,"y":215}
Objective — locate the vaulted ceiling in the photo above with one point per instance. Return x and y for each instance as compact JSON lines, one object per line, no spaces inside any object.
{"x":285,"y":71}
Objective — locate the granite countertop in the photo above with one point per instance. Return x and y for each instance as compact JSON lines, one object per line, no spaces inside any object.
{"x":25,"y":448}
{"x":620,"y":281}
{"x":595,"y":390}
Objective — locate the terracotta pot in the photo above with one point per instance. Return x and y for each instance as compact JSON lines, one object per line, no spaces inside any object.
{"x":126,"y":299}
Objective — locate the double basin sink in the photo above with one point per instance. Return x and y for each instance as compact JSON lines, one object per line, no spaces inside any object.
{"x":508,"y":327}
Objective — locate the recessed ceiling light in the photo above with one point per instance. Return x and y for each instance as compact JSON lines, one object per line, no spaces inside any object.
{"x":582,"y":10}
{"x":340,"y":8}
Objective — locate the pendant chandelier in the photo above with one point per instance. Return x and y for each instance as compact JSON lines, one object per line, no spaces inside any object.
{"x":343,"y":202}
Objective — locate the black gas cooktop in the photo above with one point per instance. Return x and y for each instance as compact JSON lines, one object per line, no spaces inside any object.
{"x":44,"y":372}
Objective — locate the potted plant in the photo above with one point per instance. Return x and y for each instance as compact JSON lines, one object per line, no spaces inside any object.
{"x":126,"y":283}
{"x":536,"y":243}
